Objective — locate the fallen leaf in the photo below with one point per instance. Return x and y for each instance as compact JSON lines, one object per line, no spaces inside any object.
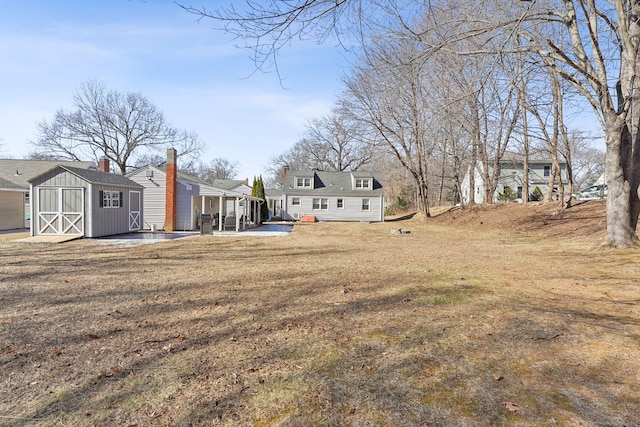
{"x":511,"y":407}
{"x":498,"y":377}
{"x":93,"y":336}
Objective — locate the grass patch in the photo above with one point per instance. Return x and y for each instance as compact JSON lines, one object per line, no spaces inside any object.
{"x":336,"y":324}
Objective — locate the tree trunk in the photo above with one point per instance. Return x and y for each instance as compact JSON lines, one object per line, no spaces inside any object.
{"x":620,"y":234}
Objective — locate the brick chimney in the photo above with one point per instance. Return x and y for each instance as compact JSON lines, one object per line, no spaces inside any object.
{"x":171,"y":197}
{"x":103,"y":165}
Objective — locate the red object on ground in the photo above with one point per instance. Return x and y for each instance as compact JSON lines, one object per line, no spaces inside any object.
{"x":308,"y":218}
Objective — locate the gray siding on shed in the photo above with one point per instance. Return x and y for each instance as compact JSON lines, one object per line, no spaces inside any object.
{"x":98,"y":221}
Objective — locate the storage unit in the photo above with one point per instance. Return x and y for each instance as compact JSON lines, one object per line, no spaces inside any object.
{"x":74,"y":201}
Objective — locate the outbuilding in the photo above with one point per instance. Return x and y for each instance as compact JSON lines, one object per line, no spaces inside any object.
{"x":81,"y":202}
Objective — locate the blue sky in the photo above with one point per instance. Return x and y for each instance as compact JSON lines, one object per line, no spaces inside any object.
{"x":192,"y":72}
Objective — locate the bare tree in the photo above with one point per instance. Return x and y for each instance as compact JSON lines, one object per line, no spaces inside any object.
{"x":390,"y":95}
{"x":219,"y":168}
{"x":591,"y":44}
{"x":336,"y":142}
{"x":120,"y":127}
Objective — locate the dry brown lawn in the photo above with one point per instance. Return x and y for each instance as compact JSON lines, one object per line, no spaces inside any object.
{"x":507,"y":315}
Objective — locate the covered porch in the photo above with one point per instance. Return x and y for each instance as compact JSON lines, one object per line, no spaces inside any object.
{"x":228,"y":211}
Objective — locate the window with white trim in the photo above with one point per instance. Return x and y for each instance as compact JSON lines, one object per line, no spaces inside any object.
{"x":320,"y":204}
{"x":303,"y":182}
{"x":295,"y":201}
{"x":340,"y":203}
{"x":366,"y":205}
{"x":110,"y":199}
{"x":363,"y":183}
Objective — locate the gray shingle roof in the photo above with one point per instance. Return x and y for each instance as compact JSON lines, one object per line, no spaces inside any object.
{"x":228,"y":184}
{"x":20,"y":172}
{"x":8,"y":185}
{"x":95,"y":177}
{"x":331,"y":182}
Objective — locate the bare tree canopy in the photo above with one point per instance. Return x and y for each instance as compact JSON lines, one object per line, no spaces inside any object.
{"x":219,"y":168}
{"x":105,"y":123}
{"x":591,"y":44}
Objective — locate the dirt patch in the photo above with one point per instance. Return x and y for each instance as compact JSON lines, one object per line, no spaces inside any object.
{"x":582,"y":219}
{"x":336,"y":324}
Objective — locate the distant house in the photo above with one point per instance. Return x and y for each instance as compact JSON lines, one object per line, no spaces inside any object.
{"x":511,"y":175}
{"x":176,"y":201}
{"x":15,"y":197}
{"x":237,"y":185}
{"x":332,"y":196}
{"x":73,"y":201}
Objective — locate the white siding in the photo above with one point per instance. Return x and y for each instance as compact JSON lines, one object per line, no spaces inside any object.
{"x":352,"y":210}
{"x":154,"y":197}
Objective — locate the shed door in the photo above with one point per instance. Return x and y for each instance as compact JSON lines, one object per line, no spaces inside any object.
{"x":134,"y":210}
{"x":61,"y":211}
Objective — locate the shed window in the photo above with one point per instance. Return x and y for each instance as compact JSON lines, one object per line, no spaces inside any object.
{"x":110,"y":199}
{"x":365,"y":204}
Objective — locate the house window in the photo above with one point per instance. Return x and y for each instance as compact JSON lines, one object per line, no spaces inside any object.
{"x":320,"y":204}
{"x":110,"y":199}
{"x":547,"y":170}
{"x":303,"y":182}
{"x":362,"y":183}
{"x":340,"y":203}
{"x":365,"y":204}
{"x":295,"y":201}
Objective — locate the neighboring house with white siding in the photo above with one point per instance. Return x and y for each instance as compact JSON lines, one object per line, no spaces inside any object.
{"x":332,"y":196}
{"x":511,"y":175}
{"x":15,"y":197}
{"x":182,"y":208}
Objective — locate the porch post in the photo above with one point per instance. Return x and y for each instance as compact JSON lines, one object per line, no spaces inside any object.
{"x":220,"y":221}
{"x":256,"y":218}
{"x":244,"y":213}
{"x":237,"y":209}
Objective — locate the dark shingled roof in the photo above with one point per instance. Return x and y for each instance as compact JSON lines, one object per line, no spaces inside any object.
{"x":331,"y":182}
{"x":96,"y":177}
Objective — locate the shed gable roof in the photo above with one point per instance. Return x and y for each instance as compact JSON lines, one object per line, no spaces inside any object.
{"x":94,"y":177}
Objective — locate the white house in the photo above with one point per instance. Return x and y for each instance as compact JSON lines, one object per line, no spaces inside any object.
{"x":511,"y":175}
{"x":332,"y":196}
{"x":176,"y":201}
